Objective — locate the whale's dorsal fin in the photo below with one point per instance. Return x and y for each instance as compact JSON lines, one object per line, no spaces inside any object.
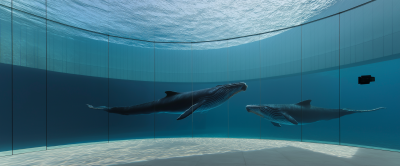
{"x":304,"y":103}
{"x":171,"y":93}
{"x":190,"y":110}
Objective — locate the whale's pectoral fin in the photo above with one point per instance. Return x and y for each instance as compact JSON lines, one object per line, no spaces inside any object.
{"x":276,"y":124}
{"x":190,"y":110}
{"x":289,"y":118}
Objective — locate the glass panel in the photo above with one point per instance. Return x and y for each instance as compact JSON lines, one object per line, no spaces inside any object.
{"x":367,"y":33}
{"x":377,"y":28}
{"x":36,"y":7}
{"x":6,"y":3}
{"x":396,"y":27}
{"x":93,"y":15}
{"x":336,"y":7}
{"x":29,"y":83}
{"x":244,"y":66}
{"x":375,"y":102}
{"x":281,"y":82}
{"x":210,"y":70}
{"x":320,"y":81}
{"x":5,"y":38}
{"x":5,"y":83}
{"x":388,"y":27}
{"x":131,"y":83}
{"x":77,"y":76}
{"x":173,"y":66}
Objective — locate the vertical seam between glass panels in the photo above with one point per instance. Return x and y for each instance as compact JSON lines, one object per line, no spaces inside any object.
{"x":12,"y":80}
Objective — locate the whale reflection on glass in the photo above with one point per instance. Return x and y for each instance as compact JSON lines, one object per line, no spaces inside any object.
{"x":299,"y":113}
{"x":182,"y":103}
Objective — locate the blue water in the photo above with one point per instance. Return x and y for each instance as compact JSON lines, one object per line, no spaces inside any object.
{"x":69,"y":121}
{"x":380,"y":128}
{"x":44,"y":93}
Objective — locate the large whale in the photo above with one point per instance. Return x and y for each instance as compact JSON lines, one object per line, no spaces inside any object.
{"x":182,"y":103}
{"x":303,"y":113}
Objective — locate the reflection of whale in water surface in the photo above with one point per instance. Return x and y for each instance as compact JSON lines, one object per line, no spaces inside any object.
{"x":185,"y":103}
{"x":303,"y":112}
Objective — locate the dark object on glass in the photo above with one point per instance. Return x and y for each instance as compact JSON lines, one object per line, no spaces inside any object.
{"x":365,"y":79}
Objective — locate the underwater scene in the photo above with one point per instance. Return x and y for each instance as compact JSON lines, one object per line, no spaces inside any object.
{"x":331,"y":81}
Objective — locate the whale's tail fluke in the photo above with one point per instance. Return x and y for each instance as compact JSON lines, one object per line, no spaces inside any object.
{"x":97,"y":108}
{"x":146,"y":108}
{"x":350,"y":111}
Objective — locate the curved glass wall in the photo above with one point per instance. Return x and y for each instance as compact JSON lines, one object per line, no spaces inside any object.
{"x":49,"y":74}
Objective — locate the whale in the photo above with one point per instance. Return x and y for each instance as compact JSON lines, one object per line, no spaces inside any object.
{"x":184,"y":103}
{"x":300,"y":113}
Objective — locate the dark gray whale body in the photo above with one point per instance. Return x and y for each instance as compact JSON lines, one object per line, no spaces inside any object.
{"x":182,"y":103}
{"x":300,"y":113}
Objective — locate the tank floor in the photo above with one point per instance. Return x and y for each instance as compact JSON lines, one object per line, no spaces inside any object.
{"x":206,"y":151}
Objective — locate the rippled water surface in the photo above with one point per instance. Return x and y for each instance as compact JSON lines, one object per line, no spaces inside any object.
{"x":181,"y":20}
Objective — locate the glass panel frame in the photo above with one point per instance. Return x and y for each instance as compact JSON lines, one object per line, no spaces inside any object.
{"x":243,"y":66}
{"x":210,"y":68}
{"x":173,"y":66}
{"x":131,"y":83}
{"x":6,"y":83}
{"x":69,"y":120}
{"x":281,"y":80}
{"x":29,"y":83}
{"x":320,"y":81}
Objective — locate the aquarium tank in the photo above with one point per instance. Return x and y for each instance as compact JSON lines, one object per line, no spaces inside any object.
{"x":94,"y":72}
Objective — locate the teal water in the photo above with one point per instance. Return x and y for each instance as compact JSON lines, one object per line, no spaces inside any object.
{"x":48,"y":75}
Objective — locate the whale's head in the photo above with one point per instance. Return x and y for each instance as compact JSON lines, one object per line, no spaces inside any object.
{"x":230,"y":89}
{"x":240,"y":86}
{"x":255,"y":109}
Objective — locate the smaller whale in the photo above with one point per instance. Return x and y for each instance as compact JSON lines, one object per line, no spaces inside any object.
{"x":300,"y":113}
{"x":184,"y":103}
